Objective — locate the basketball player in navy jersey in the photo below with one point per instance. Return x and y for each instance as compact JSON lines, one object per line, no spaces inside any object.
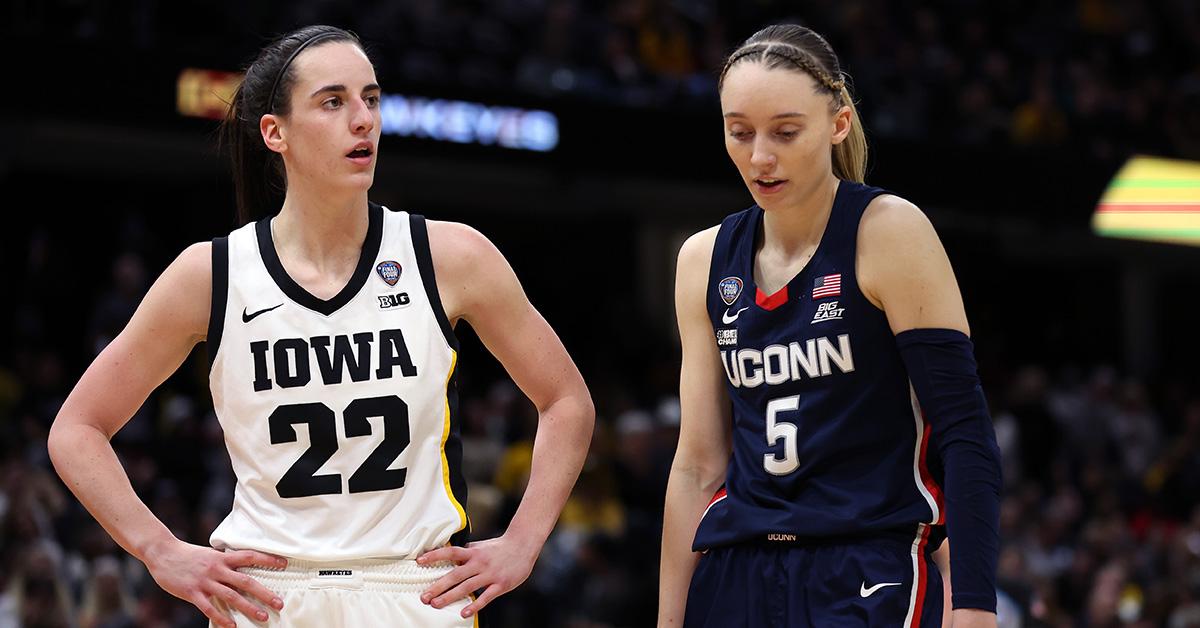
{"x":329,"y":322}
{"x":833,"y":423}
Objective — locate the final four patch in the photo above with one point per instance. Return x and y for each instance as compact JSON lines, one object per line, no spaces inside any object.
{"x":389,"y":272}
{"x":730,"y":289}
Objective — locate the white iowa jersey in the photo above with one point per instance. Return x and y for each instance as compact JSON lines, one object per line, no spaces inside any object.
{"x":340,"y":415}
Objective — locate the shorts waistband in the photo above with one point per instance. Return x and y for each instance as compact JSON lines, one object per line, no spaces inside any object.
{"x":368,"y":574}
{"x":900,"y":536}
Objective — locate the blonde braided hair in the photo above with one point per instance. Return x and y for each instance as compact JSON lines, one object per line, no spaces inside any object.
{"x":798,"y":57}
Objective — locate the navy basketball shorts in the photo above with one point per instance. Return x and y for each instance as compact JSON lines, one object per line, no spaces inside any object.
{"x":875,"y":582}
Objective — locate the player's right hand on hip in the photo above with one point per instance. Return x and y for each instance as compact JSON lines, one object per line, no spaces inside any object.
{"x":495,"y":566}
{"x":201,"y":575}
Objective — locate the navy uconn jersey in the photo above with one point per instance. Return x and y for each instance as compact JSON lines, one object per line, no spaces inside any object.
{"x":828,"y":440}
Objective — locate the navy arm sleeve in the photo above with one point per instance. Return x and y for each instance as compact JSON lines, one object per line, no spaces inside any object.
{"x":941,"y":366}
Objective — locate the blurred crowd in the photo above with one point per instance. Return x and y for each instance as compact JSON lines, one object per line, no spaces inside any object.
{"x":1100,"y":518}
{"x":1097,"y":75}
{"x":1101,"y":511}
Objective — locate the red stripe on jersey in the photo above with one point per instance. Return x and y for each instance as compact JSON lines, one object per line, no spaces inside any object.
{"x":922,"y":575}
{"x":927,"y":478}
{"x":770,"y":302}
{"x":718,"y":496}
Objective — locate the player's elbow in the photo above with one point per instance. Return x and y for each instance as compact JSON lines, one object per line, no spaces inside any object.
{"x":698,"y":469}
{"x":69,"y":434}
{"x":574,"y":411}
{"x":584,"y":410}
{"x":54,"y":442}
{"x":61,"y":442}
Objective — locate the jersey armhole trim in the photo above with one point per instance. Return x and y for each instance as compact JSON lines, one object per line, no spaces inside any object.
{"x":220,"y":297}
{"x":420,"y":240}
{"x":721,"y":244}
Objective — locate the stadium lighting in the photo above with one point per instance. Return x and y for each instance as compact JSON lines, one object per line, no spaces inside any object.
{"x":466,"y":122}
{"x":204,"y":93}
{"x":1152,"y":199}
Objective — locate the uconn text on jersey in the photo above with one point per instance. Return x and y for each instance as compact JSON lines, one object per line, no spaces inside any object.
{"x":777,"y":363}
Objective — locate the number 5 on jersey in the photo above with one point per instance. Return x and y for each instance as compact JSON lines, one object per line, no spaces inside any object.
{"x":776,"y":430}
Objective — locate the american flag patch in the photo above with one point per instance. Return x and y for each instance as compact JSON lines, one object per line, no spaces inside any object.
{"x":827,"y":286}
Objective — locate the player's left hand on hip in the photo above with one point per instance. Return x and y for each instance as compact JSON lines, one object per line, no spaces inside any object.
{"x":496,"y":565}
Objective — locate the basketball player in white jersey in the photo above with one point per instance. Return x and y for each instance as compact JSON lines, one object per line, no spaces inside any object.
{"x":332,"y":367}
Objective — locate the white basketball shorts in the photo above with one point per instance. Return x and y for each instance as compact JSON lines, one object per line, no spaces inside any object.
{"x":353,"y":594}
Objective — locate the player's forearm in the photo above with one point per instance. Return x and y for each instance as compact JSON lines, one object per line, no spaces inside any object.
{"x":942,"y":370}
{"x":564,"y":434}
{"x":86,"y":462}
{"x":687,"y":495}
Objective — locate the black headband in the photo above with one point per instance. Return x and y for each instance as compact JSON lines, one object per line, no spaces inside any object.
{"x":295,"y":53}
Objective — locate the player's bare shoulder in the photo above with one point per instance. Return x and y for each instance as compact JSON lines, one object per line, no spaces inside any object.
{"x":454,"y":244}
{"x":182,"y":295}
{"x":894,"y":234}
{"x":892,"y":225}
{"x":695,"y":256}
{"x":195,"y":262}
{"x":467,"y":265}
{"x":698,"y":248}
{"x":903,"y":268}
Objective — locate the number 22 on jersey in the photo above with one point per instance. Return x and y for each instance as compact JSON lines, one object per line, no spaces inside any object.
{"x":301,"y":480}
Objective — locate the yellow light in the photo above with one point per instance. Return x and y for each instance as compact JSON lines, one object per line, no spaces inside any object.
{"x":205,"y":93}
{"x":1152,"y":199}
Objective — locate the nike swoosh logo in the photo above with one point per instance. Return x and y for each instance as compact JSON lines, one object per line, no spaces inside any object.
{"x":727,"y":319}
{"x":246,"y":318}
{"x":865,"y":592}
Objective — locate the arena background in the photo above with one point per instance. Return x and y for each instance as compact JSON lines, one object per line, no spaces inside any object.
{"x":1003,"y":121}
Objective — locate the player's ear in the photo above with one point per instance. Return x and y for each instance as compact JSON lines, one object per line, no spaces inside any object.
{"x":843,"y":121}
{"x":271,"y":128}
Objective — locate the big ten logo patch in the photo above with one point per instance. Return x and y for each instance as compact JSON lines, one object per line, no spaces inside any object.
{"x":828,"y":311}
{"x":389,"y":301}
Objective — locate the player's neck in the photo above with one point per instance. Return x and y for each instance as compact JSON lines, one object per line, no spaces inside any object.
{"x":797,"y":228}
{"x":322,"y":228}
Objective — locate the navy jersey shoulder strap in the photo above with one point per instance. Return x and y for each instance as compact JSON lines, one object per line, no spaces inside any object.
{"x":729,"y":259}
{"x":851,"y":203}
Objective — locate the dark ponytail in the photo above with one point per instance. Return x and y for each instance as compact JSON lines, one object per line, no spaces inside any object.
{"x":259,"y":179}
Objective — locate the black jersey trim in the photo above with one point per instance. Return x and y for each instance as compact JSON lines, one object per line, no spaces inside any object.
{"x":420,"y":240}
{"x":220,"y":297}
{"x":293,"y":290}
{"x":453,"y":451}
